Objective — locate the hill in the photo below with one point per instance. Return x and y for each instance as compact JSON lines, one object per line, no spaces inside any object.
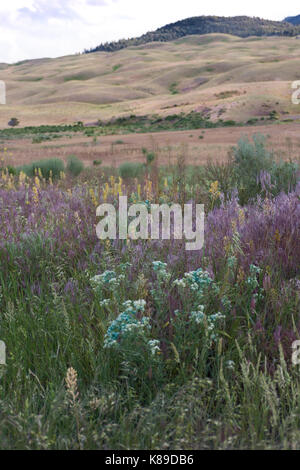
{"x":295,"y":20}
{"x":220,"y":75}
{"x":242,"y":26}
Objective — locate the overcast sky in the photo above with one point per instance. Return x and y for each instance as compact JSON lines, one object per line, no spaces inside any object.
{"x":51,"y":28}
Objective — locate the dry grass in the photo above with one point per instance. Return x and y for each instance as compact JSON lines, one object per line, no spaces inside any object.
{"x":114,"y":150}
{"x":233,"y":77}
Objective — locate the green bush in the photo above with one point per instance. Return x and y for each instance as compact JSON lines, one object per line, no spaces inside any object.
{"x":250,"y":159}
{"x":131,"y":170}
{"x":284,"y":176}
{"x":257,"y":172}
{"x":10,"y":169}
{"x":74,"y":165}
{"x":51,"y":167}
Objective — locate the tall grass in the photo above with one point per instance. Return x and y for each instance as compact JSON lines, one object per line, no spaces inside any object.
{"x":139,"y":344}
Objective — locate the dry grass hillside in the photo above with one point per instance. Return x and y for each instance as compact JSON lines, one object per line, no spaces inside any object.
{"x":221,"y":75}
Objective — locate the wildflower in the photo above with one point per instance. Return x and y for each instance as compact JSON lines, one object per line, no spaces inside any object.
{"x":127,"y":323}
{"x":231,"y":262}
{"x":159,"y":266}
{"x":277,"y":236}
{"x":230,"y":365}
{"x":93,"y":197}
{"x":179,"y":283}
{"x":154,"y":346}
{"x":214,"y":190}
{"x":71,"y":385}
{"x":241,"y":217}
{"x":104,"y":303}
{"x":35,"y":194}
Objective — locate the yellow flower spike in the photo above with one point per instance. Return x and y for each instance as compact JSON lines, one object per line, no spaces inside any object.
{"x":241,"y":216}
{"x":37,"y":182}
{"x":241,"y":275}
{"x":227,"y":244}
{"x":112,"y":182}
{"x":93,"y":197}
{"x":22,"y":177}
{"x":35,"y":195}
{"x":277,"y":236}
{"x":234,"y":225}
{"x":214,"y":189}
{"x":139,"y":191}
{"x":148,"y":188}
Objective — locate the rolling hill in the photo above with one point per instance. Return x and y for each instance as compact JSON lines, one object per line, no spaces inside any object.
{"x":220,"y":75}
{"x":242,"y":26}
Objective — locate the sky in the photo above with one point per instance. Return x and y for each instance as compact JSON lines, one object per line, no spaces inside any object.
{"x":51,"y":28}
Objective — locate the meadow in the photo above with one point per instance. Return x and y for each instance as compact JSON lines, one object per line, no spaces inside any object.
{"x":141,"y":344}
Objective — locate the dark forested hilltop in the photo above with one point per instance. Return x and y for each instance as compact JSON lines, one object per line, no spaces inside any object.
{"x":295,"y":20}
{"x":242,"y":26}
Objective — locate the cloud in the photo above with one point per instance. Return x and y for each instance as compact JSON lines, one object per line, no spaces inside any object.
{"x":51,"y":28}
{"x":43,"y":10}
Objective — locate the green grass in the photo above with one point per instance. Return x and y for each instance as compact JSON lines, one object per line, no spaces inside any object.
{"x":127,"y":400}
{"x":173,"y":88}
{"x":116,"y":67}
{"x":230,"y":387}
{"x":78,"y":77}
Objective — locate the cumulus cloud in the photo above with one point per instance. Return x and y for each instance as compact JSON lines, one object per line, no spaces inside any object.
{"x":50,"y":28}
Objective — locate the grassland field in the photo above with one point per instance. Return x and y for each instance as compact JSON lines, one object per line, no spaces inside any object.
{"x":140,"y":344}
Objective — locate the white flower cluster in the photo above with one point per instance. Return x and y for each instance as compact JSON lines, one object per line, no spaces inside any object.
{"x":104,"y":303}
{"x":230,"y":365}
{"x":195,"y":280}
{"x":161,"y":270}
{"x":209,"y":322}
{"x":252,"y":281}
{"x":154,"y":346}
{"x":126,"y":323}
{"x":109,"y":280}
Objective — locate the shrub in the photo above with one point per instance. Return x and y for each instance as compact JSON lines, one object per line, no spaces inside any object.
{"x":131,"y":170}
{"x":14,"y":122}
{"x":257,"y":172}
{"x":74,"y":165}
{"x":51,"y":167}
{"x":250,"y":159}
{"x":9,"y":169}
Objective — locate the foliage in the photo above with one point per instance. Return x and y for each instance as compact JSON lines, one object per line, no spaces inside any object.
{"x":51,"y":168}
{"x":131,"y":170}
{"x":257,"y":170}
{"x":74,"y":165}
{"x":14,"y":122}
